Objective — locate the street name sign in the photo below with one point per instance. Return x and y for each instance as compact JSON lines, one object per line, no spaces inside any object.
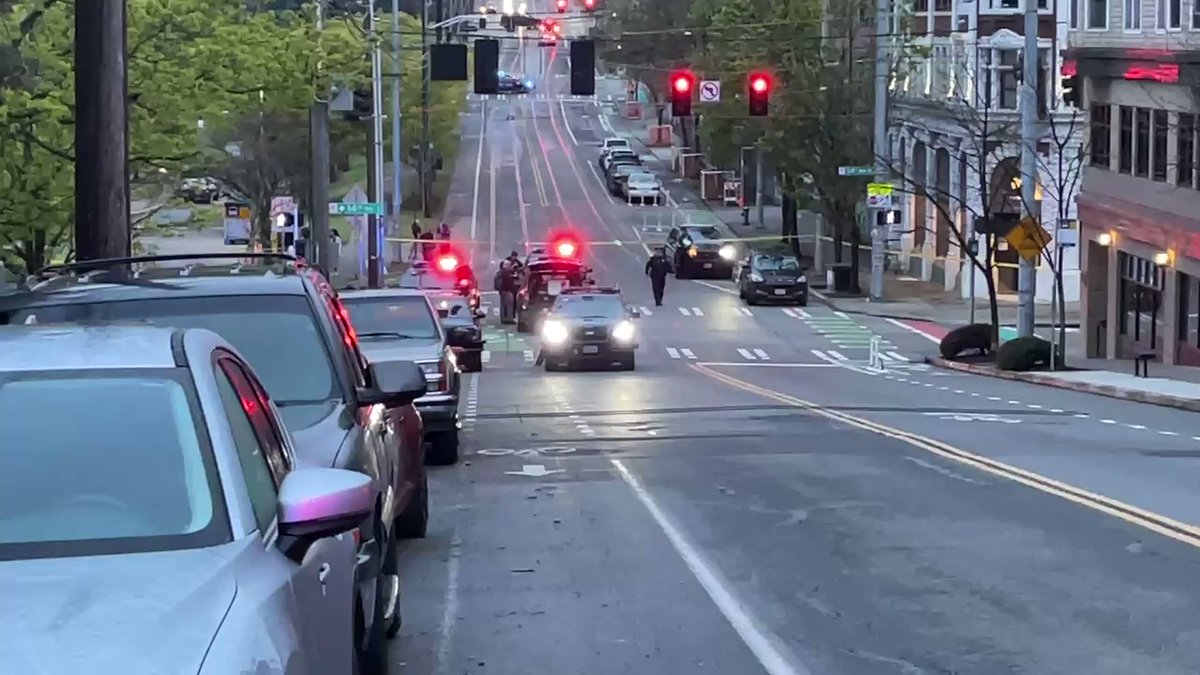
{"x":355,"y":209}
{"x":856,"y":171}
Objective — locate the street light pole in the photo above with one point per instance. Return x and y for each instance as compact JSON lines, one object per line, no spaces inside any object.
{"x":397,"y":146}
{"x":1031,"y":60}
{"x":318,"y":123}
{"x":373,"y":243}
{"x":102,"y":228}
{"x":424,"y":154}
{"x":881,"y":147}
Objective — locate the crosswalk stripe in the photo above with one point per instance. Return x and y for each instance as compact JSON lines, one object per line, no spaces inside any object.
{"x":837,"y":355}
{"x":689,"y":354}
{"x":746,"y":354}
{"x":696,"y":312}
{"x":897,"y":357}
{"x":645,"y":311}
{"x":684,"y":311}
{"x":486,"y":357}
{"x":762,"y":355}
{"x":672,"y":352}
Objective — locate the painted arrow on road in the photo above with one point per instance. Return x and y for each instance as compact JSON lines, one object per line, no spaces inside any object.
{"x":533,"y":471}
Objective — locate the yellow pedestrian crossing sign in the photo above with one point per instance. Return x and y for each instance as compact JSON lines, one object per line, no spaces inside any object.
{"x":1028,"y":238}
{"x":879,"y":195}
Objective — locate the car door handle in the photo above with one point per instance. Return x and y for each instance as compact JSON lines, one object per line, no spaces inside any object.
{"x":323,"y":573}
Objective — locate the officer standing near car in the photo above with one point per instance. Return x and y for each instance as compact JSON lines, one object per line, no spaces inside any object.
{"x":509,"y":281}
{"x":657,"y":268}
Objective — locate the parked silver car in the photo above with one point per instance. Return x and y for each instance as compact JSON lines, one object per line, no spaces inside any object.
{"x":400,"y":324}
{"x":153,"y":518}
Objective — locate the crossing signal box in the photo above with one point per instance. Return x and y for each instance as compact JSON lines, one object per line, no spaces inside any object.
{"x":487,"y":66}
{"x":583,"y":68}
{"x":760,"y":94}
{"x":683,"y":82}
{"x":1070,"y":90}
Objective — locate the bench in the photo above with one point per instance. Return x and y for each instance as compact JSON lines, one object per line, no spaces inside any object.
{"x":1141,"y":362}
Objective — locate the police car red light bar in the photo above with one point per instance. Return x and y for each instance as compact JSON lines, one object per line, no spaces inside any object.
{"x":562,"y":5}
{"x":447,"y":263}
{"x":566,"y":248}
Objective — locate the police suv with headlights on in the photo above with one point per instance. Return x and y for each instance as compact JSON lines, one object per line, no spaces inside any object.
{"x":695,"y":250}
{"x":589,"y":326}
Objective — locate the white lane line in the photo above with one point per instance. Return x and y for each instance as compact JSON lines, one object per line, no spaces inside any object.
{"x":645,"y":311}
{"x":927,"y":336}
{"x":478,"y":172}
{"x":897,"y":356}
{"x":715,"y":287}
{"x":1139,"y":427}
{"x":745,"y":310}
{"x":672,"y":352}
{"x":747,"y":355}
{"x":843,"y":315}
{"x":450,"y":599}
{"x":696,"y":312}
{"x":1108,"y":421}
{"x":689,"y":354}
{"x":762,"y":355}
{"x":765,"y":646}
{"x":562,"y":105}
{"x":685,"y":311}
{"x":1169,"y":433}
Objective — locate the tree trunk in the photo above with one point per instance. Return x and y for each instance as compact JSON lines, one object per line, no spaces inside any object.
{"x":101,"y":131}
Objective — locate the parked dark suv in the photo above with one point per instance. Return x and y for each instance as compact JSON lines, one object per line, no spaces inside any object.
{"x":289,"y":324}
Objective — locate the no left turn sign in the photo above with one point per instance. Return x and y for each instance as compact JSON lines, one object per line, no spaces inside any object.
{"x":710,"y":91}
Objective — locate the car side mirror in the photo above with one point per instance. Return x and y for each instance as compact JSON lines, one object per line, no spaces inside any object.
{"x":393,"y":384}
{"x":315,"y":503}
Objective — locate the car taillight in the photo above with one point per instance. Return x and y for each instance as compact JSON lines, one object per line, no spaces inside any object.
{"x":444,"y":371}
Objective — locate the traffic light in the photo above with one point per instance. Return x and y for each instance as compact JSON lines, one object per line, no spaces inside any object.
{"x":1070,"y":91}
{"x":682,"y":84}
{"x":583,"y":68}
{"x":760,"y":94}
{"x":487,"y":66}
{"x":589,"y":5}
{"x":562,"y":6}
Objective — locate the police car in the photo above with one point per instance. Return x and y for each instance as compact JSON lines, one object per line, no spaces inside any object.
{"x":589,"y":326}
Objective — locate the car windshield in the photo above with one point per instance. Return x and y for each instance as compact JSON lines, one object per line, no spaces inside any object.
{"x":96,"y":463}
{"x":627,"y":169}
{"x":277,"y":334}
{"x":771,"y":263}
{"x":614,"y":143}
{"x":579,"y":306}
{"x":392,"y":316}
{"x":621,"y":153}
{"x":646,"y":179}
{"x":702,"y":233}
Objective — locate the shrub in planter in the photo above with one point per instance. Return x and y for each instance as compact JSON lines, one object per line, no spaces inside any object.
{"x":1024,"y":353}
{"x":976,"y":336}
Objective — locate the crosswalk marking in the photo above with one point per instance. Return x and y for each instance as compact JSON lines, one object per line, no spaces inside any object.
{"x":486,"y":357}
{"x":754,"y":354}
{"x":689,"y":354}
{"x":746,"y":354}
{"x":691,"y":311}
{"x":762,"y":355}
{"x":645,"y":311}
{"x":837,"y":355}
{"x":529,"y":358}
{"x":895,"y":356}
{"x":672,"y":352}
{"x":797,"y":313}
{"x":681,"y":352}
{"x":745,"y":311}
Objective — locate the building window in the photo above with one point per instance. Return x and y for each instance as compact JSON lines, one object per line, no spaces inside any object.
{"x":1158,"y":159}
{"x":1139,"y":312}
{"x":1007,"y":66}
{"x":1169,"y":14}
{"x":1125,"y":141}
{"x":1097,"y":18}
{"x":1100,"y":130}
{"x":1185,"y":147}
{"x":1073,"y":15}
{"x":942,"y":5}
{"x":1187,"y":322}
{"x":1141,"y":148}
{"x":1133,"y":14}
{"x":920,"y":6}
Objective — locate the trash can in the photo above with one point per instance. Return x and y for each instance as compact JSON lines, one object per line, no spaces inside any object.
{"x":841,"y":277}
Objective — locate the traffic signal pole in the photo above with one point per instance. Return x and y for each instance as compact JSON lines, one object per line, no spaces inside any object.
{"x":397,"y":146}
{"x":882,"y":147}
{"x":1027,"y":273}
{"x":318,"y":130}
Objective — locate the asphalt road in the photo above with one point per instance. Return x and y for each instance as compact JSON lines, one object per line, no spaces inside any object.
{"x":755,"y":499}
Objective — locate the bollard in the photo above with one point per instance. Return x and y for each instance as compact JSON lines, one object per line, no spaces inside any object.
{"x":875,"y":359}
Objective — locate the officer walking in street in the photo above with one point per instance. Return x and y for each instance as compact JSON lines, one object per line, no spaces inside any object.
{"x":657,"y":268}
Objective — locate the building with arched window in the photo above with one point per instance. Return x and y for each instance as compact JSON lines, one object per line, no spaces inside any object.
{"x":954,"y":129}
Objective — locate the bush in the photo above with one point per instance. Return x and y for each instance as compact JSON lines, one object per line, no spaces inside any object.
{"x":1025,"y":353}
{"x":976,"y":336}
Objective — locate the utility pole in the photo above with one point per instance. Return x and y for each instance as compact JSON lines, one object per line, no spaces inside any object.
{"x":375,"y":161}
{"x":880,"y":145}
{"x":424,"y":153}
{"x":1031,"y":61}
{"x":101,"y":131}
{"x":397,"y":145}
{"x":318,"y":131}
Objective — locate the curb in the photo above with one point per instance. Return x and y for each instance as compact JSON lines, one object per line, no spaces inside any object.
{"x":1164,"y":400}
{"x":832,"y":303}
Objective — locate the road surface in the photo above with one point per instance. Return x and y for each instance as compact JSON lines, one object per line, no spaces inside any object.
{"x":755,"y":499}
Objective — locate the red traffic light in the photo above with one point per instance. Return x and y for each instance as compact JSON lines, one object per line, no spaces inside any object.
{"x":562,"y":5}
{"x":760,"y":84}
{"x":447,"y":263}
{"x":682,"y":83}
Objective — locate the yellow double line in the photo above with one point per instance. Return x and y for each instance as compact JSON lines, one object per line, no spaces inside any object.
{"x":1167,"y":527}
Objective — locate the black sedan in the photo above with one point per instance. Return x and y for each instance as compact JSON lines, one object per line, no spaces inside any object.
{"x":463,"y":332}
{"x":514,"y":84}
{"x":764,"y":277}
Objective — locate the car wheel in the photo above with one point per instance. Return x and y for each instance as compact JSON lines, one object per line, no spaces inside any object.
{"x":803,"y":302}
{"x":444,"y":450}
{"x":371,"y":644}
{"x":551,"y":366}
{"x":473,"y":362}
{"x":414,"y":522}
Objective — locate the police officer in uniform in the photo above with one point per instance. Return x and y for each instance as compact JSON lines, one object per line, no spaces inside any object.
{"x":657,"y":268}
{"x":509,"y":282}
